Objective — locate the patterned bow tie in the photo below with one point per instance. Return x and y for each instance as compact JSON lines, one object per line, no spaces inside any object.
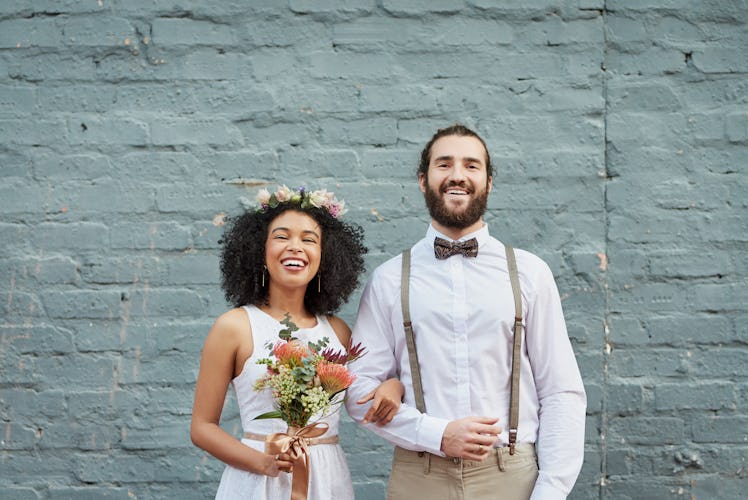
{"x":444,"y":248}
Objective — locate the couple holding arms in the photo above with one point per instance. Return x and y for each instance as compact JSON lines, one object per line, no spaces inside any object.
{"x":466,"y":332}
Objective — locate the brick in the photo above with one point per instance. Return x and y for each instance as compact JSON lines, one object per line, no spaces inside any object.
{"x":205,"y":198}
{"x":107,"y":130}
{"x":644,"y":97}
{"x":206,"y":235}
{"x":157,"y":437}
{"x":82,"y":303}
{"x":719,"y":60}
{"x":736,"y":126}
{"x":19,"y":196}
{"x":719,"y":429}
{"x":681,"y":264}
{"x":25,"y":405}
{"x":104,"y":196}
{"x":71,"y":167}
{"x":646,"y":430}
{"x":134,"y":270}
{"x":680,"y":330}
{"x":326,"y":163}
{"x":719,"y":487}
{"x":625,"y":399}
{"x":83,"y":371}
{"x":702,"y":396}
{"x":78,"y":236}
{"x":381,"y":98}
{"x":719,"y":297}
{"x":16,"y":493}
{"x":151,"y":236}
{"x":331,"y":6}
{"x":176,"y":31}
{"x":209,"y":131}
{"x":52,"y":67}
{"x":89,"y":492}
{"x":78,"y":98}
{"x":648,"y":363}
{"x":653,"y":61}
{"x":654,"y":489}
{"x":17,"y":436}
{"x":98,"y":32}
{"x":378,"y":131}
{"x":19,"y":306}
{"x":192,"y":269}
{"x":30,"y":339}
{"x":23,"y":33}
{"x":24,"y":132}
{"x":16,"y":100}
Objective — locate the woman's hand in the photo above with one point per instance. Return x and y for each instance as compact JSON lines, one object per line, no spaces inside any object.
{"x":387,"y":397}
{"x":275,"y":464}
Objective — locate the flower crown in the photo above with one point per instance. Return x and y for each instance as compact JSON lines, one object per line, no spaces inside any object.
{"x":305,"y":199}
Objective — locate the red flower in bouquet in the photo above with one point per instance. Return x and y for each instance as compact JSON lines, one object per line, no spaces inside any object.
{"x":334,"y":377}
{"x":290,"y":353}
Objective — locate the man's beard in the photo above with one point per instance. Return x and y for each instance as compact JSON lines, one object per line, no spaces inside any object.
{"x":443,"y":215}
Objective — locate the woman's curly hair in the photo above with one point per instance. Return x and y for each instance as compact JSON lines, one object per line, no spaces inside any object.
{"x":243,"y":259}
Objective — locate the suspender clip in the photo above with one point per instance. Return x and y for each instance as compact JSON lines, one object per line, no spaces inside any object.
{"x":512,"y":440}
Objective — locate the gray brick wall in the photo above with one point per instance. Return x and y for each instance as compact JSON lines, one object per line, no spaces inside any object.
{"x":129,"y":127}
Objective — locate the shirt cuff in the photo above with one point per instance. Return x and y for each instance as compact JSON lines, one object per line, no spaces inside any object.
{"x":430,"y":433}
{"x":544,"y":491}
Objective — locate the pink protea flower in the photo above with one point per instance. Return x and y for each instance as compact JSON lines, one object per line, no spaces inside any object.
{"x":290,"y":353}
{"x":334,"y":377}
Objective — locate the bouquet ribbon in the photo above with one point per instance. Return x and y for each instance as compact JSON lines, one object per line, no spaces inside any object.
{"x":295,"y":441}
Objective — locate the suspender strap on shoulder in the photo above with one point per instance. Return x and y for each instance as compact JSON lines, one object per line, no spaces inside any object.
{"x":516,"y":350}
{"x":415,"y":371}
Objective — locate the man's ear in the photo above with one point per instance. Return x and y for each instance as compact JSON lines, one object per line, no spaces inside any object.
{"x":422,"y":181}
{"x":489,"y":186}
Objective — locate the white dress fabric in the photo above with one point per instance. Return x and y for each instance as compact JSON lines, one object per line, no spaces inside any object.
{"x":329,"y":476}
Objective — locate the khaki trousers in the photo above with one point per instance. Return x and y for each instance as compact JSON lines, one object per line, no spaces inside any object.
{"x":422,"y":475}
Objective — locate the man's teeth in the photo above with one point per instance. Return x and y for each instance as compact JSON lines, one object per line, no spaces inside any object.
{"x":455,"y":191}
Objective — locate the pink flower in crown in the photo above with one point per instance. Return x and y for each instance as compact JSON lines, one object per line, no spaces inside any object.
{"x":283,"y":194}
{"x":263,"y":197}
{"x":338,"y":208}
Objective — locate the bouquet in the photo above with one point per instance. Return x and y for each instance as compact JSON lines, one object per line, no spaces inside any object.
{"x":307,"y":379}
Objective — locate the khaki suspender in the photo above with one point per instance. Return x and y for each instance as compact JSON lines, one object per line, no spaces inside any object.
{"x":413,"y":355}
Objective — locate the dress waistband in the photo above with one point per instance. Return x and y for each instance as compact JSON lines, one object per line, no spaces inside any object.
{"x":309,"y":441}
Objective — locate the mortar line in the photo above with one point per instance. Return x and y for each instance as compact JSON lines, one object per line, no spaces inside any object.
{"x":606,"y":290}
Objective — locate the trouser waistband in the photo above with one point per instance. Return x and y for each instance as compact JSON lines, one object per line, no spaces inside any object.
{"x":498,"y":456}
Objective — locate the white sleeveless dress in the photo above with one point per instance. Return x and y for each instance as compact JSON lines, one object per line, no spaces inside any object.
{"x":330,"y":478}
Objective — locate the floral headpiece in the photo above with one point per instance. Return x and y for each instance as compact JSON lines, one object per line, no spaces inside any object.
{"x":305,"y":199}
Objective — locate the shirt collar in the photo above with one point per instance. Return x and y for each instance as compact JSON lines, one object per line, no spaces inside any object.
{"x":481,"y":235}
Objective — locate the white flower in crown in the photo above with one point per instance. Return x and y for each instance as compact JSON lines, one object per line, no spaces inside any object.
{"x":284,"y":194}
{"x":263,"y":197}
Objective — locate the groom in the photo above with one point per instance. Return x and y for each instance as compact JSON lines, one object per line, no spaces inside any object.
{"x":471,"y":426}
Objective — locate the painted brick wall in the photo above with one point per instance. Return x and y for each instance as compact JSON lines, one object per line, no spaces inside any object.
{"x":129,"y":127}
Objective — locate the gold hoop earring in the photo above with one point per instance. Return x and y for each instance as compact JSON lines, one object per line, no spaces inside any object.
{"x":319,"y":283}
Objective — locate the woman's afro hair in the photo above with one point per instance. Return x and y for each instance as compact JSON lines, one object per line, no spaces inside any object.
{"x":243,"y":259}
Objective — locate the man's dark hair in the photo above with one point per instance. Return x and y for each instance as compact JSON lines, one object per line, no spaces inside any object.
{"x":456,"y":129}
{"x":243,"y":259}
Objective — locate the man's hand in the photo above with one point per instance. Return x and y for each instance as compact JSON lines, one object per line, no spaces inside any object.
{"x":470,"y":438}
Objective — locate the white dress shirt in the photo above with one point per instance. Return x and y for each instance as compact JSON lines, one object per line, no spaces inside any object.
{"x":462,"y":310}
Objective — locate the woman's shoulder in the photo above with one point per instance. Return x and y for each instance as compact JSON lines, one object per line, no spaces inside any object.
{"x":231,"y":325}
